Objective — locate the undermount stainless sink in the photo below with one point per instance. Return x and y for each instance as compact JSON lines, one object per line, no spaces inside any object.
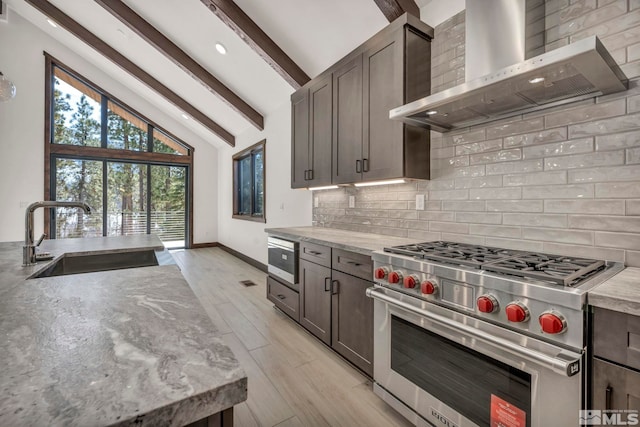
{"x":70,"y":264}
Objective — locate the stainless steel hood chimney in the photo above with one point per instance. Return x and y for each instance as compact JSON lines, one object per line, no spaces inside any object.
{"x":497,"y":36}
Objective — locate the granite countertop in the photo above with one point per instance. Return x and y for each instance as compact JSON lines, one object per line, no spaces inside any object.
{"x":119,"y":347}
{"x":620,"y":293}
{"x":364,"y":243}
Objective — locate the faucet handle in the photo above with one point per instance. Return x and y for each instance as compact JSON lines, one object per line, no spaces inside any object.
{"x":41,"y":239}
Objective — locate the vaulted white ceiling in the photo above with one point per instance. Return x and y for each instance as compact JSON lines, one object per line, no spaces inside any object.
{"x":314,"y":33}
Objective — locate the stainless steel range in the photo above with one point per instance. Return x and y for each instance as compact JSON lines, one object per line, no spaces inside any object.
{"x":468,"y":335}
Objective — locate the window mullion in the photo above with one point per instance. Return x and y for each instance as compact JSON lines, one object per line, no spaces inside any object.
{"x":105,"y":198}
{"x":104,"y":120}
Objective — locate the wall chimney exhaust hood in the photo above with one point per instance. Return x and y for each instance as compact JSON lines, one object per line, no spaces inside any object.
{"x":580,"y":70}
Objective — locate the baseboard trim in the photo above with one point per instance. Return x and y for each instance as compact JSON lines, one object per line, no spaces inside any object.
{"x":257,"y":264}
{"x":205,"y":245}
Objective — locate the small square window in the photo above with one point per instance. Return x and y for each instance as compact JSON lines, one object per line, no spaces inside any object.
{"x":249,"y":183}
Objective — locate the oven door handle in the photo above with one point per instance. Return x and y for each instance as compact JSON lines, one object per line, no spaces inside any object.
{"x":565,"y":362}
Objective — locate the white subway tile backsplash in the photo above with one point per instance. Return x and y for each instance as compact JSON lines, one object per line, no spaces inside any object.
{"x":514,"y":205}
{"x":493,"y":194}
{"x":449,"y":195}
{"x":479,"y":182}
{"x":633,"y":207}
{"x":478,"y":147}
{"x":628,"y":224}
{"x":514,"y":167}
{"x":449,"y":227}
{"x":618,"y":190}
{"x":558,"y":191}
{"x":599,"y":127}
{"x":515,"y":128}
{"x":496,"y":156}
{"x":495,"y":230}
{"x":602,"y":207}
{"x":464,"y":206}
{"x":586,"y":113}
{"x":545,"y":136}
{"x":618,"y":240}
{"x":479,"y":217}
{"x":605,"y":174}
{"x":633,"y":155}
{"x":469,"y":171}
{"x":605,"y":158}
{"x":436,"y":216}
{"x":575,"y":146}
{"x":566,"y":236}
{"x":618,"y":141}
{"x":536,"y":178}
{"x":536,"y":219}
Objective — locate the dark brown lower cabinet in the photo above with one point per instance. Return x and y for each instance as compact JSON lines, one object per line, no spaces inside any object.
{"x":615,"y":387}
{"x":315,"y":299}
{"x":283,"y":297}
{"x":352,"y":320}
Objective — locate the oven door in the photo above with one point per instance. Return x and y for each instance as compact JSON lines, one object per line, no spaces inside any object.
{"x":454,"y":370}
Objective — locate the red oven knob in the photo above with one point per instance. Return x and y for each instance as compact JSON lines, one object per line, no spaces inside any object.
{"x":428,"y":287}
{"x":395,"y":277}
{"x":552,"y":323}
{"x":381,"y":273}
{"x":411,"y":281}
{"x":517,"y":312}
{"x":487,"y":304}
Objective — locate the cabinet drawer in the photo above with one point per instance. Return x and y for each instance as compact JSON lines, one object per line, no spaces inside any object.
{"x":316,"y":253}
{"x":616,"y":337}
{"x":284,"y":298}
{"x":614,"y":387}
{"x":358,"y":265}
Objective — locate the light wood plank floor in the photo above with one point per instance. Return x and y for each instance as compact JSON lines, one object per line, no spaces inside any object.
{"x":294,"y":380}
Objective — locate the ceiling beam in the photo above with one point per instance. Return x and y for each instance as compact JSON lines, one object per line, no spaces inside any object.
{"x":179,"y":57}
{"x":393,"y":9}
{"x":231,"y":14}
{"x":116,"y":57}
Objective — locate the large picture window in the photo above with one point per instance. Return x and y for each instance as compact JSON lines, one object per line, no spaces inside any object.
{"x":249,"y":183}
{"x":136,"y":177}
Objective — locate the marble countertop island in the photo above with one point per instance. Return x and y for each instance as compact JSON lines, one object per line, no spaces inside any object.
{"x":121,"y":347}
{"x":364,"y":243}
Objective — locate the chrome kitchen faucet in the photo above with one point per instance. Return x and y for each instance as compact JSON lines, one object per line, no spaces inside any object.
{"x":29,"y":249}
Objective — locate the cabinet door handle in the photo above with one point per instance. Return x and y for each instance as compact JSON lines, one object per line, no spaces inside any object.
{"x":355,"y":264}
{"x":358,"y":166}
{"x":365,"y":165}
{"x":314,"y":253}
{"x":280,"y":296}
{"x":607,"y":397}
{"x":310,"y":174}
{"x":335,"y":289}
{"x":306,"y":175}
{"x":327,"y":284}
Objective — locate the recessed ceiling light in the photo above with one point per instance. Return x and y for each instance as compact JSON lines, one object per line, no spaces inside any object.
{"x":184,"y":116}
{"x":221,"y":49}
{"x":52,"y":23}
{"x":536,"y":80}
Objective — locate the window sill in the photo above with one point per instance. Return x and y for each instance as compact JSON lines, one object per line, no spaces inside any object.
{"x":250,"y":218}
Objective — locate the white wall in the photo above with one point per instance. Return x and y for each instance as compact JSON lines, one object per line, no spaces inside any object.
{"x":285,"y":207}
{"x":437,"y":11}
{"x":22,"y":130}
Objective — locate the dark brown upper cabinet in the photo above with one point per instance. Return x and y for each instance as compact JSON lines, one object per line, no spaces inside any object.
{"x":389,"y":70}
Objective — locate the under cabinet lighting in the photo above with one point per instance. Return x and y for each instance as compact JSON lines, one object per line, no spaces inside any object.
{"x":431,"y":113}
{"x":536,"y":80}
{"x":391,"y":181}
{"x":184,"y":116}
{"x":52,"y":23}
{"x":326,"y":187}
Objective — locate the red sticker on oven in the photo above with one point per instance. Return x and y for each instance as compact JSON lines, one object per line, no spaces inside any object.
{"x":504,"y":414}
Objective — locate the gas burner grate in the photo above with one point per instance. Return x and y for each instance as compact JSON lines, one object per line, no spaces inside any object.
{"x":562,"y":270}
